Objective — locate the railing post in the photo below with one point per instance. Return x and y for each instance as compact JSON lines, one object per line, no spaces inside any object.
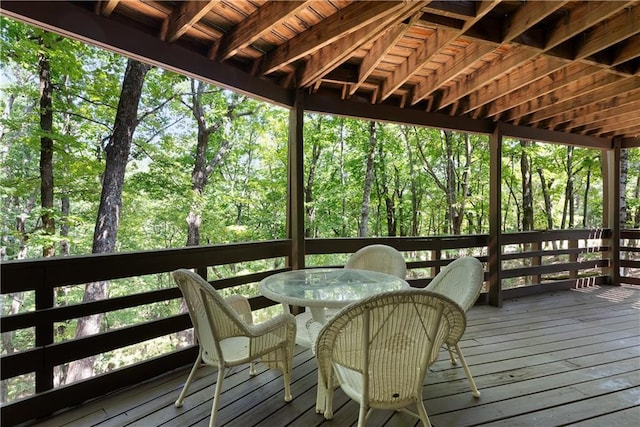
{"x":295,"y":184}
{"x":611,"y":204}
{"x":536,"y":260}
{"x":44,"y":334}
{"x":495,"y":214}
{"x":573,"y":257}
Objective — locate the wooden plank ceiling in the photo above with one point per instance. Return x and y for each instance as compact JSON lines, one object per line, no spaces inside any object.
{"x":568,"y":66}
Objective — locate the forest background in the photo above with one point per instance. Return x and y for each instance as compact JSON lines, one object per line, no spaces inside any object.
{"x":103,"y":154}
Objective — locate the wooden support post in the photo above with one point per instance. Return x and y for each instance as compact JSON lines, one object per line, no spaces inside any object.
{"x":611,"y":203}
{"x":44,"y":334}
{"x":495,"y":222}
{"x":573,"y":257}
{"x":536,"y":261}
{"x":295,"y":185}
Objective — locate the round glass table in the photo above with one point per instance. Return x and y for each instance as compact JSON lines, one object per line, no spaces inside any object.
{"x":324,"y":288}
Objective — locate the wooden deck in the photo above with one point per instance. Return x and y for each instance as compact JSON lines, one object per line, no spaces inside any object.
{"x":563,"y":358}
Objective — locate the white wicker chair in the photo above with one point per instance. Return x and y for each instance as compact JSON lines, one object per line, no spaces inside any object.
{"x":378,"y":349}
{"x":227,"y":337}
{"x":380,"y":258}
{"x":460,"y":280}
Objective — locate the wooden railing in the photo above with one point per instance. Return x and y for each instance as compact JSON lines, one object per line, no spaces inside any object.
{"x":630,"y":257}
{"x":530,"y":260}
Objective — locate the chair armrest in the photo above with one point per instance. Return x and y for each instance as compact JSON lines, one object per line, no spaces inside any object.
{"x":284,"y":319}
{"x":241,"y":306}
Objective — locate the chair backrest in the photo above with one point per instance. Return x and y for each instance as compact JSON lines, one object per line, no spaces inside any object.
{"x":213,"y":320}
{"x":380,"y":258}
{"x":394,"y":336}
{"x":461,"y":280}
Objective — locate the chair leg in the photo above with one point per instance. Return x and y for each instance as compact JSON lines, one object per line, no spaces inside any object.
{"x":189,"y":379}
{"x":422,"y":412}
{"x":451,"y":355}
{"x":216,"y":397}
{"x":286,"y":376}
{"x":362,"y":416}
{"x":474,"y":389}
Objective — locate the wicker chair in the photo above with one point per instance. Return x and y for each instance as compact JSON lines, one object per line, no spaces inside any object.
{"x":378,"y":350}
{"x":227,"y":337}
{"x":381,"y":258}
{"x":461,"y":280}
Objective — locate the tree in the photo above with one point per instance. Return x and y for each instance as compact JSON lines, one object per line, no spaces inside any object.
{"x":368,"y":178}
{"x":105,"y":234}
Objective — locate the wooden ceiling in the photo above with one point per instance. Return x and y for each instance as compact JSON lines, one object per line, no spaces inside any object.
{"x":566,"y":66}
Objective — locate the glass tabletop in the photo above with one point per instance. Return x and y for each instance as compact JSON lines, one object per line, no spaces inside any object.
{"x":327,"y":287}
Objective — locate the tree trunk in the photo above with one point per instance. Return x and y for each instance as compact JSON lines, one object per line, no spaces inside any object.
{"x":548,"y":207}
{"x":343,"y":182}
{"x":415,"y":197}
{"x":310,"y":209}
{"x":105,"y":234}
{"x":527,"y":198}
{"x":368,"y":178}
{"x":636,"y":195}
{"x":46,"y":149}
{"x":585,"y":210}
{"x":624,"y":173}
{"x":567,"y":210}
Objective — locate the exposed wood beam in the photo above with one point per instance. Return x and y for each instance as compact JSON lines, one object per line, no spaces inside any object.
{"x":547,"y":83}
{"x":327,"y":58}
{"x":345,"y":21}
{"x":189,"y":13}
{"x":388,"y":113}
{"x":498,"y":67}
{"x":617,"y":121}
{"x":455,"y":66}
{"x":578,"y":21}
{"x":631,"y":142}
{"x":610,"y":32}
{"x":598,"y":107}
{"x":553,"y":137}
{"x":567,"y":92}
{"x":380,"y":48}
{"x":415,"y":61}
{"x":108,"y":6}
{"x":589,"y":116}
{"x":528,"y":15}
{"x":496,"y":89}
{"x":257,"y":24}
{"x":629,"y":51}
{"x":620,"y":88}
{"x":628,"y":126}
{"x":608,"y":8}
{"x":453,"y":9}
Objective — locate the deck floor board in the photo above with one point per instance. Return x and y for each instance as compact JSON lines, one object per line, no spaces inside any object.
{"x":562,"y":358}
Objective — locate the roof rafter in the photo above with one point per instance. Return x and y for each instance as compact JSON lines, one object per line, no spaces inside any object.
{"x":327,"y":58}
{"x":420,"y":56}
{"x":562,"y":32}
{"x":610,"y":32}
{"x":380,"y":48}
{"x":256,"y":24}
{"x":601,"y":107}
{"x":188,"y":13}
{"x":621,"y":87}
{"x":547,"y":83}
{"x":341,"y":23}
